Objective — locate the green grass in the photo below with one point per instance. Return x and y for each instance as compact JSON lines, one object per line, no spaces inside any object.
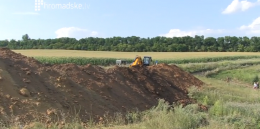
{"x":79,"y":60}
{"x":245,"y":75}
{"x":230,"y":104}
{"x":200,"y":67}
{"x":227,"y":92}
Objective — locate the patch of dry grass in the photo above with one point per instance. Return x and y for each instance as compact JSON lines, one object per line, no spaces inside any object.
{"x":130,"y":55}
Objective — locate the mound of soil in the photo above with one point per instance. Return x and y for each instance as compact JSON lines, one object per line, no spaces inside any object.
{"x":29,"y":89}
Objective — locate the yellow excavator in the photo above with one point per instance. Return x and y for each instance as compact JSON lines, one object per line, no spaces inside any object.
{"x":146,"y":61}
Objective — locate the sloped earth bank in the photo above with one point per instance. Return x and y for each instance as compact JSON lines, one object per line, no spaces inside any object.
{"x":30,"y":90}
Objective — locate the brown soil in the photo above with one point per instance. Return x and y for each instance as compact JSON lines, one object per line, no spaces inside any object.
{"x":29,"y":88}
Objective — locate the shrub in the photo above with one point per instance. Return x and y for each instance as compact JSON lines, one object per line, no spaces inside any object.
{"x":256,"y":78}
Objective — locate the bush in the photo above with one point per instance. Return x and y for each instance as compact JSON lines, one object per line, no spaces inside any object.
{"x":256,"y":78}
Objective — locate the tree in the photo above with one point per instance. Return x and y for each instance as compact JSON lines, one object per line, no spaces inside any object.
{"x":134,"y":43}
{"x":26,"y":37}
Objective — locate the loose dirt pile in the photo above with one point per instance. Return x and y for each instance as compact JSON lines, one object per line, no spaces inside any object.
{"x":29,"y":88}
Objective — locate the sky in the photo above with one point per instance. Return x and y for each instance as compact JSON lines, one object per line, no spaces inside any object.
{"x":45,"y":19}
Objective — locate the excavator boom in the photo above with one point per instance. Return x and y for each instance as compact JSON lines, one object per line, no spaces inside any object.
{"x":137,"y":62}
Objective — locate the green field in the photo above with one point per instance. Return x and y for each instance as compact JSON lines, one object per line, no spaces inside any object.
{"x":131,"y":55}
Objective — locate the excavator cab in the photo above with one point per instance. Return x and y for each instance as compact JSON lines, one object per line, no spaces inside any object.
{"x":147,"y":61}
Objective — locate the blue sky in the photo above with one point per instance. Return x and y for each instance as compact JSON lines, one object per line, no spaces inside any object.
{"x":103,"y":18}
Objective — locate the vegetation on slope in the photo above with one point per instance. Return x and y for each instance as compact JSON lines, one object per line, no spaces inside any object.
{"x":246,"y":75}
{"x":211,"y":68}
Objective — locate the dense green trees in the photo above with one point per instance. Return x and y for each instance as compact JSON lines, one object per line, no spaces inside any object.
{"x":137,"y":44}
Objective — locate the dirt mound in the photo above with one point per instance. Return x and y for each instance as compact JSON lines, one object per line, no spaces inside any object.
{"x":29,"y":88}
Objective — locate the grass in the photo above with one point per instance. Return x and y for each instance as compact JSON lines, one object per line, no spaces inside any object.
{"x":200,"y":67}
{"x":227,"y":92}
{"x":232,"y":104}
{"x":131,"y":55}
{"x":245,"y":75}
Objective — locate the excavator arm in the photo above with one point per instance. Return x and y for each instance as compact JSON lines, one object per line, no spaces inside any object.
{"x":137,"y":62}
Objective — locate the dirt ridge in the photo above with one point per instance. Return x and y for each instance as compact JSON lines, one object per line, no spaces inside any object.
{"x":88,"y":89}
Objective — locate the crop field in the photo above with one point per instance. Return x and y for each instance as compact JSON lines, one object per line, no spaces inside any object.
{"x":104,"y":58}
{"x":131,"y":55}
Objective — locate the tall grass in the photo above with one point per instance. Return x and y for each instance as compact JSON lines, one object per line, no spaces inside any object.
{"x":246,"y":75}
{"x":199,"y":67}
{"x":163,"y":116}
{"x":79,"y":60}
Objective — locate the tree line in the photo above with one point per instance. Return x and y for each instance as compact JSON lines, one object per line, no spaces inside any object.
{"x":138,"y":44}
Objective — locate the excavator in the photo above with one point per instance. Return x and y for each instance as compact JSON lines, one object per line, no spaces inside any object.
{"x":146,"y":61}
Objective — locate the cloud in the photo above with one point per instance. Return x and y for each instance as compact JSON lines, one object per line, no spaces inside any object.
{"x":94,"y":33}
{"x":74,"y":32}
{"x":237,"y":5}
{"x":26,"y":13}
{"x":252,"y":29}
{"x":181,"y":33}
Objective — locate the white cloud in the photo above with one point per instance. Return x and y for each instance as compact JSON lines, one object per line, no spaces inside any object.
{"x":26,"y":13}
{"x":94,"y":33}
{"x":181,"y":33}
{"x":74,"y":32}
{"x":237,"y":5}
{"x":252,"y":29}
